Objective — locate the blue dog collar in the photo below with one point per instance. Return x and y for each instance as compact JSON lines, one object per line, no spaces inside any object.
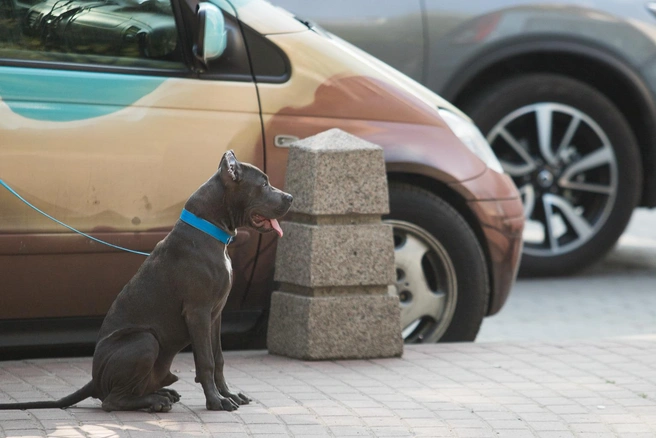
{"x":206,"y":227}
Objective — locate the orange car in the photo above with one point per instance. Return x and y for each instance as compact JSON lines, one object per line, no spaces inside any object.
{"x":110,"y":128}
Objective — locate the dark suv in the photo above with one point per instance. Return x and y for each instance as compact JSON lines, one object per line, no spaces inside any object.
{"x":564,"y":92}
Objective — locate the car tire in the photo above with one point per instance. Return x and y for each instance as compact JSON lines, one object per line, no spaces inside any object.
{"x":442,"y":276}
{"x":579,"y":165}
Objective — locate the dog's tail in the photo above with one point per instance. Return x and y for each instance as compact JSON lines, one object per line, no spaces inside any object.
{"x":83,"y":393}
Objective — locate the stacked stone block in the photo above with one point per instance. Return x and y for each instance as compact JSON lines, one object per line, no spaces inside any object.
{"x":336,"y":260}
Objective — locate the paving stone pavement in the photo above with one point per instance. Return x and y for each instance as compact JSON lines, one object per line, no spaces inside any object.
{"x":594,"y":388}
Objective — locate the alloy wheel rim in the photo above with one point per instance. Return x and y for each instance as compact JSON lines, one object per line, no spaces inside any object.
{"x":425,"y":283}
{"x":565,"y":169}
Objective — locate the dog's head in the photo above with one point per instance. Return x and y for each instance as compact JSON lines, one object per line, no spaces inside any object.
{"x":258,"y":203}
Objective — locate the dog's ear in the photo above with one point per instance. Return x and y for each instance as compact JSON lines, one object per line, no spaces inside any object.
{"x":230,"y":168}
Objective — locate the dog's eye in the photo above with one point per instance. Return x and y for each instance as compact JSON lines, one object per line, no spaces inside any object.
{"x":265,"y":184}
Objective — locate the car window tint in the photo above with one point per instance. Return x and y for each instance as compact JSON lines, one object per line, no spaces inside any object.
{"x":129,"y":33}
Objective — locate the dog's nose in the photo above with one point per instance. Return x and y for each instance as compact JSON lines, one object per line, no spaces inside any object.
{"x":289,"y":198}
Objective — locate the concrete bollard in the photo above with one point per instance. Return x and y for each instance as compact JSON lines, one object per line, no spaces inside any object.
{"x":336,"y":260}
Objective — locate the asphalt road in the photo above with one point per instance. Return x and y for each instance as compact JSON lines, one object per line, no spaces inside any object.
{"x":614,"y":298}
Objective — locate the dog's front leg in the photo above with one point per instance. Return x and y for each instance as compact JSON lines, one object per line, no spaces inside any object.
{"x":199,"y":326}
{"x":219,"y":378}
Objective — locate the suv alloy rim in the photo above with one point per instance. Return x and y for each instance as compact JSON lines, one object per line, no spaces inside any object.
{"x":425,"y":283}
{"x":566,"y":170}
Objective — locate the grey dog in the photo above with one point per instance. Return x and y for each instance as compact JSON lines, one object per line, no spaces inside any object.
{"x":176,"y":298}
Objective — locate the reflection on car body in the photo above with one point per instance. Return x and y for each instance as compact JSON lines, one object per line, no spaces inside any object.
{"x":110,"y":27}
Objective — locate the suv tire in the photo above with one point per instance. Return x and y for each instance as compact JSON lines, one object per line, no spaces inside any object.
{"x":579,"y":166}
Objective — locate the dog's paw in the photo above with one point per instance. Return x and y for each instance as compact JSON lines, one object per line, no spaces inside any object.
{"x":171,"y":394}
{"x":160,"y":403}
{"x":239,"y":398}
{"x":221,"y":404}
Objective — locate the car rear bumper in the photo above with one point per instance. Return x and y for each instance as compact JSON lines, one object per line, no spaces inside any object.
{"x":495,"y":201}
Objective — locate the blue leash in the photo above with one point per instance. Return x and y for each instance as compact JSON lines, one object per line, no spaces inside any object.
{"x":13,"y":192}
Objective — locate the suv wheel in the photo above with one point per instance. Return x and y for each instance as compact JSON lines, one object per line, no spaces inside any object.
{"x":442,"y":277}
{"x":575,"y":161}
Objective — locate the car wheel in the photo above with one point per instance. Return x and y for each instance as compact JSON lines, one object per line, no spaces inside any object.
{"x":441,"y":271}
{"x":574,"y":160}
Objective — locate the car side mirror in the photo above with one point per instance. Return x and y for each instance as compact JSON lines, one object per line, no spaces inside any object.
{"x":212,"y":36}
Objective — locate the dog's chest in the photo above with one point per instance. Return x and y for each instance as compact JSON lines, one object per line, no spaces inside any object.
{"x":224,"y":281}
{"x":228,"y":265}
{"x":223,"y":286}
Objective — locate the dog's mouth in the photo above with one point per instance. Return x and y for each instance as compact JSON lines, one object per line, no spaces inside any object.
{"x":265,"y":224}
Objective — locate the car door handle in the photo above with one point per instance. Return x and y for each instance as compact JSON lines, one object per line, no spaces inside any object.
{"x":283,"y":141}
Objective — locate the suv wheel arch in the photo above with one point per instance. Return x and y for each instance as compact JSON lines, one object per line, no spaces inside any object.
{"x":629,"y":92}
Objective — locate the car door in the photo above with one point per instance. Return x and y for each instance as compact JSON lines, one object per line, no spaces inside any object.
{"x":104,"y":126}
{"x":391,"y":30}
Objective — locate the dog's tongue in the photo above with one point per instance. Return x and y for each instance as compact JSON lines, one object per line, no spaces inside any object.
{"x":276,"y":226}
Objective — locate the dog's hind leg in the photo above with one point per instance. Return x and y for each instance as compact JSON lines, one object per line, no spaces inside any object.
{"x":162,"y":374}
{"x":125,"y":372}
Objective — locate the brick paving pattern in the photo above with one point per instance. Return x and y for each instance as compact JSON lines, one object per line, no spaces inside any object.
{"x":600,"y":388}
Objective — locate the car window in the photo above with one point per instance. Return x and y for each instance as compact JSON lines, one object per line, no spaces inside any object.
{"x":125,"y":33}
